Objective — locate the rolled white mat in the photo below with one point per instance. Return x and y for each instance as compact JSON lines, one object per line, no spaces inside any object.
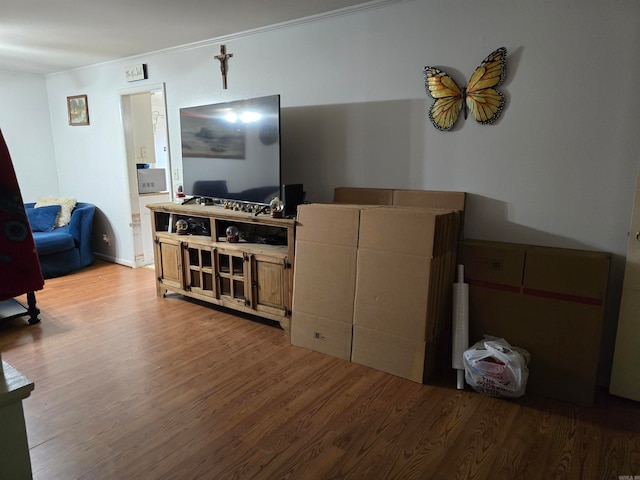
{"x":460,"y":330}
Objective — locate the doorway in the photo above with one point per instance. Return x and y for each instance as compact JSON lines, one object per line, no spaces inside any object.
{"x":144,"y":121}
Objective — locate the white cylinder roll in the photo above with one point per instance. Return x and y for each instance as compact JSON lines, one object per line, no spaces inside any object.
{"x":460,"y":330}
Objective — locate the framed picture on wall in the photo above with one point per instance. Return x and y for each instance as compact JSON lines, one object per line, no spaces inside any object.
{"x":78,"y":110}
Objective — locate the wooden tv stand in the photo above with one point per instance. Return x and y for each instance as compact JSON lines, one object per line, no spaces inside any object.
{"x":254,"y":275}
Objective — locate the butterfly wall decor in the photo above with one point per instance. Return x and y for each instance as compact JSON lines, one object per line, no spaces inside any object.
{"x":480,"y":97}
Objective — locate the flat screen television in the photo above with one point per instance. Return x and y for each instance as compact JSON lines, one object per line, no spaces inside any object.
{"x":231,"y":151}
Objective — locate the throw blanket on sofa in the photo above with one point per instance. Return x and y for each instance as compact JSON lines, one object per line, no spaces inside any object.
{"x":19,"y":266}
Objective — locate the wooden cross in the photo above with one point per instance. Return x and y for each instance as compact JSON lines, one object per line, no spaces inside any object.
{"x":222,"y":58}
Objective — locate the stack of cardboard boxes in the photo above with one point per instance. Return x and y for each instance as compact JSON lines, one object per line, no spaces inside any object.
{"x":372,"y":284}
{"x":549,"y":301}
{"x":325,"y":278}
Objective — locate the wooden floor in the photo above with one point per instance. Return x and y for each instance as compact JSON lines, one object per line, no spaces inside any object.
{"x":132,"y":386}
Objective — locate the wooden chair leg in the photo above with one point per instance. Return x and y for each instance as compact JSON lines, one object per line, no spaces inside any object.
{"x":32,"y":309}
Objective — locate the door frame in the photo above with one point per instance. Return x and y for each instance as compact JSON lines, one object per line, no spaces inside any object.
{"x":138,"y":259}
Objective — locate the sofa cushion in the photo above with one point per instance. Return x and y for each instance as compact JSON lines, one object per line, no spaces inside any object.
{"x":66,"y":207}
{"x":43,"y":219}
{"x":56,"y":241}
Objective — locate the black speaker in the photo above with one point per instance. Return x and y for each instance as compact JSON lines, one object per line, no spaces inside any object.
{"x":292,"y":196}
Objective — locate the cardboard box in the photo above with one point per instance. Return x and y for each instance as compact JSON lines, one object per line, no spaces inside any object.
{"x":151,"y":180}
{"x":322,"y":335}
{"x":400,"y":197}
{"x":402,"y":310}
{"x":432,"y":199}
{"x":429,"y":199}
{"x":392,"y":293}
{"x":325,"y":278}
{"x":574,"y":275}
{"x":328,"y":223}
{"x":363,"y":196}
{"x":415,"y":231}
{"x":326,"y":254}
{"x":550,"y":301}
{"x":411,"y":359}
{"x":404,"y":274}
{"x":405,"y":295}
{"x":388,"y":270}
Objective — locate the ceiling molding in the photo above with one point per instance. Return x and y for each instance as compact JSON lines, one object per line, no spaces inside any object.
{"x":375,"y":4}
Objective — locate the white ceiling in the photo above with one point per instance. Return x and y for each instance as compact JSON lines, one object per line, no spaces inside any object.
{"x":47,"y":36}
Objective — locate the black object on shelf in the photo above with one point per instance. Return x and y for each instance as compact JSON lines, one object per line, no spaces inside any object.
{"x":292,"y":196}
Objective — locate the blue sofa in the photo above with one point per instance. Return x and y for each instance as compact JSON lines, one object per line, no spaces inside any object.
{"x":66,"y":249}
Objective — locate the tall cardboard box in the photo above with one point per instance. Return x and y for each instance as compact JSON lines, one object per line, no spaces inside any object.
{"x":403,"y":289}
{"x":373,"y":284}
{"x":325,"y":278}
{"x":550,"y":301}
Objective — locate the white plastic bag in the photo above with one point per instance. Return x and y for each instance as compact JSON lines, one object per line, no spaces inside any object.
{"x":495,"y":368}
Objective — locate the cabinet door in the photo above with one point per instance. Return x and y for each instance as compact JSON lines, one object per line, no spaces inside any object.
{"x":270,"y":284}
{"x":231,"y":274}
{"x":168,"y":260}
{"x":199,"y":269}
{"x":625,"y":380}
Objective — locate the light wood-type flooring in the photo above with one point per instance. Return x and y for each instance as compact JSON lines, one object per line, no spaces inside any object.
{"x":132,"y":386}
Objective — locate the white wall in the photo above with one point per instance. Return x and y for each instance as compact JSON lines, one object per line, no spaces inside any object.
{"x":26,"y":127}
{"x":558,"y":169}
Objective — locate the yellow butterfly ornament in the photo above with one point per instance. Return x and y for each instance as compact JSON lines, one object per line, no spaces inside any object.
{"x":480,"y":96}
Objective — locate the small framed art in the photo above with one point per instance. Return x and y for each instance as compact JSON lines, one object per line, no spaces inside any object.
{"x":78,"y":110}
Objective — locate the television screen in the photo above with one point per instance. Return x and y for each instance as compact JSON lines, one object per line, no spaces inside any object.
{"x":231,"y":151}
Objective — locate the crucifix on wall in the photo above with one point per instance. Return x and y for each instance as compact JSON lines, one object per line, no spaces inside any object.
{"x":222,"y":58}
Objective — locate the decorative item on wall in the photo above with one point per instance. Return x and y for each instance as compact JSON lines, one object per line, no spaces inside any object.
{"x":479,"y":96}
{"x":136,"y":72}
{"x":78,"y":110}
{"x":224,"y":67}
